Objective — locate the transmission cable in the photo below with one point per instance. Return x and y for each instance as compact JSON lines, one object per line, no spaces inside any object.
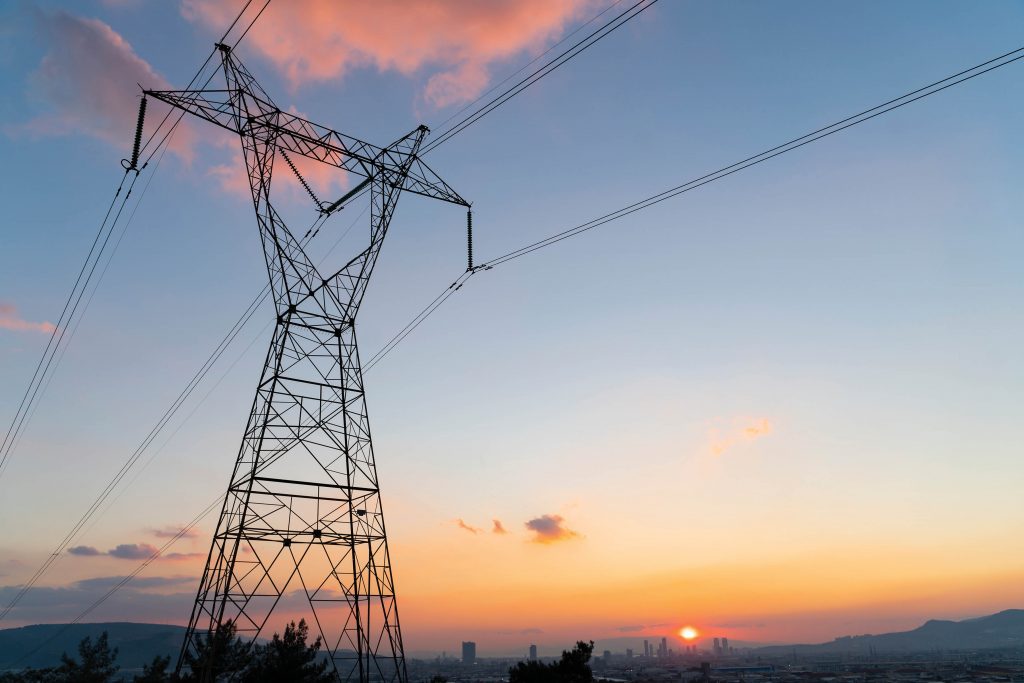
{"x":32,"y":394}
{"x":578,"y":48}
{"x":796,"y":143}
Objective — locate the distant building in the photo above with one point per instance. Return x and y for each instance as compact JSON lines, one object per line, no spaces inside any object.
{"x":725,"y":645}
{"x":607,"y":656}
{"x":717,"y":648}
{"x":647,"y":649}
{"x":663,"y":648}
{"x":533,"y":653}
{"x":629,"y":653}
{"x":468,"y":652}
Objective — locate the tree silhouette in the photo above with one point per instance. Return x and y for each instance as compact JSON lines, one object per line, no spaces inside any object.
{"x":97,"y":665}
{"x":573,"y":667}
{"x":220,"y":654}
{"x":288,"y":658}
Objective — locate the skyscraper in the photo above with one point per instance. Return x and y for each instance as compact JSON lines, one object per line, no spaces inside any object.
{"x":533,"y":653}
{"x":629,"y":653}
{"x":468,"y":652}
{"x":725,"y":645}
{"x":664,"y":648}
{"x":647,"y":649}
{"x":718,"y":646}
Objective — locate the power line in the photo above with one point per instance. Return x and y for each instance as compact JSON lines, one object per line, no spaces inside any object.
{"x":43,"y":374}
{"x":725,"y":171}
{"x":566,"y":56}
{"x":524,"y":67}
{"x":550,"y":66}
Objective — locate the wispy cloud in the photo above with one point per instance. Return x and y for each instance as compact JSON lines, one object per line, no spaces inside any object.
{"x":87,"y":83}
{"x":132,"y":551}
{"x":172,"y":531}
{"x":741,"y":432}
{"x":454,"y":41}
{"x":467,"y":527}
{"x":10,"y":320}
{"x":498,"y":528}
{"x":550,"y":529}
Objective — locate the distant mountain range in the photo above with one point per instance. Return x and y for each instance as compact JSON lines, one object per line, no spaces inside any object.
{"x":138,"y":643}
{"x":1001,"y":630}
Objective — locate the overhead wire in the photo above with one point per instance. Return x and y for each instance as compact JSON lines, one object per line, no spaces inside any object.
{"x":563,"y":58}
{"x":45,"y":368}
{"x":43,"y":374}
{"x":652,"y":200}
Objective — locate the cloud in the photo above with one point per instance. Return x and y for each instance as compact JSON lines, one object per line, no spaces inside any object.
{"x":88,"y":84}
{"x":172,"y":531}
{"x":144,"y":599}
{"x":498,"y":528}
{"x":132,"y":551}
{"x":462,"y":525}
{"x":455,"y":41}
{"x":741,"y":432}
{"x":10,"y":320}
{"x":631,"y":629}
{"x":182,"y":557}
{"x":549,"y":529}
{"x":139,"y":582}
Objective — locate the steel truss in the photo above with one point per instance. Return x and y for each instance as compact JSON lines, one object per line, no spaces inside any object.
{"x":302,"y":515}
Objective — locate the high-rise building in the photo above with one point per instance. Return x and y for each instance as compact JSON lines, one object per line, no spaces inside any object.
{"x":647,"y":649}
{"x":717,"y":647}
{"x":468,"y":652}
{"x":629,"y":653}
{"x":664,"y":647}
{"x":533,"y":653}
{"x":725,"y":645}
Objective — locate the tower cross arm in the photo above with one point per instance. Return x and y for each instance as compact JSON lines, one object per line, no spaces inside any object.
{"x":246,"y":114}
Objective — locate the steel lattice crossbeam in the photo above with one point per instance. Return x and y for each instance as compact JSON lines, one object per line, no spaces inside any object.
{"x":303,"y":513}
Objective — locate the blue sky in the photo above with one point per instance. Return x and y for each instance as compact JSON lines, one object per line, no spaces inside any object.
{"x":861,"y":295}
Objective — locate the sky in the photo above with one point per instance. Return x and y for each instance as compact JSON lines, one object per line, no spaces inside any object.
{"x":784,"y":407}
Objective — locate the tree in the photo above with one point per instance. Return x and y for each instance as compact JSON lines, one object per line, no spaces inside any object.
{"x":288,"y":658}
{"x":155,"y":671}
{"x":220,"y":654}
{"x":97,"y":664}
{"x":573,"y":667}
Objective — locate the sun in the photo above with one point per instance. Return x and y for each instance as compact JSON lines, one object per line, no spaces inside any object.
{"x":688,"y":633}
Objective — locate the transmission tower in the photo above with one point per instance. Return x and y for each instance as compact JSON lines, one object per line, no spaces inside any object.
{"x":302,"y":515}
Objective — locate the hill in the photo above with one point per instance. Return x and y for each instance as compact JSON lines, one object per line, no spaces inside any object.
{"x":137,"y":643}
{"x":1001,"y":630}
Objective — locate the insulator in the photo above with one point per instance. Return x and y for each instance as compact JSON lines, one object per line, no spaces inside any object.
{"x":469,"y":239}
{"x":302,"y":180}
{"x":138,"y":133}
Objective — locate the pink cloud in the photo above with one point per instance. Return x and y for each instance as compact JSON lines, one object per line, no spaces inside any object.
{"x":172,"y":531}
{"x":499,"y":528}
{"x":466,"y":527}
{"x":550,"y":529}
{"x":88,"y":83}
{"x":313,"y":41}
{"x":10,"y":320}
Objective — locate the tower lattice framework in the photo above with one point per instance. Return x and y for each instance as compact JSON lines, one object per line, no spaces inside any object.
{"x":302,"y":527}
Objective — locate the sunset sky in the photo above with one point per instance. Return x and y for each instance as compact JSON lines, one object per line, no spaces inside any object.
{"x":784,"y":407}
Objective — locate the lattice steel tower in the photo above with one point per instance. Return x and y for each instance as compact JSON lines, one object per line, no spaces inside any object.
{"x":303,"y":511}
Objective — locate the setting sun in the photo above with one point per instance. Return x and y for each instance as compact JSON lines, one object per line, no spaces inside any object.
{"x":688,"y":633}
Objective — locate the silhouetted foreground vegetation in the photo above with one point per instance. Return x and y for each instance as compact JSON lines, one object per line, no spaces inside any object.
{"x":283,"y":658}
{"x":573,"y":667}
